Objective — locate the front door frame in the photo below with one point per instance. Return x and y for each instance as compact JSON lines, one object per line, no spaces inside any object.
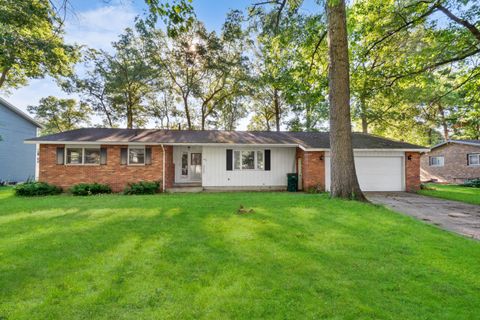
{"x":178,"y":160}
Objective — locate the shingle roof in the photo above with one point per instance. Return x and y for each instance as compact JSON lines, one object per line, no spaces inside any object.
{"x":308,"y":140}
{"x":22,"y":114}
{"x":460,"y":141}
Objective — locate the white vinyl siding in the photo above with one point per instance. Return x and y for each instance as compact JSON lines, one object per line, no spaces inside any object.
{"x":215,"y":173}
{"x":376,"y":171}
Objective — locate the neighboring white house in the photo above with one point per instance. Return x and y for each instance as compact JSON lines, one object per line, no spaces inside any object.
{"x":17,"y":160}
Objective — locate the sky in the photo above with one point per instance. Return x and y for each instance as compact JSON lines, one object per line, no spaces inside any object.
{"x":96,"y":23}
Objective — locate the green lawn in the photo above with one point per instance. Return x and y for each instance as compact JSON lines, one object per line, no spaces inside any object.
{"x":190,"y":256}
{"x":453,"y":192}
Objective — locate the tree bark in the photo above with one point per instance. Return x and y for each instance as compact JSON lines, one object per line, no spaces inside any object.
{"x":276,"y":104}
{"x":344,"y":182}
{"x":187,"y":112}
{"x":444,"y":122}
{"x":3,"y":76}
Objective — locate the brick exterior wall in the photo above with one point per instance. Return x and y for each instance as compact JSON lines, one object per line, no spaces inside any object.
{"x":412,"y":171}
{"x":455,"y":168}
{"x":114,"y":174}
{"x":313,"y":168}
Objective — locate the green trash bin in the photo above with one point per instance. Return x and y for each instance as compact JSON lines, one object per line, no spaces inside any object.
{"x":292,"y":182}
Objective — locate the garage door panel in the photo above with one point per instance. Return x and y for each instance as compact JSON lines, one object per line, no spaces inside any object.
{"x":375,"y":173}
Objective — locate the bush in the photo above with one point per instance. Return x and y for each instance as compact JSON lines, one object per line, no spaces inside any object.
{"x":474,"y":183}
{"x":143,"y":187}
{"x":32,"y":189}
{"x":88,"y":189}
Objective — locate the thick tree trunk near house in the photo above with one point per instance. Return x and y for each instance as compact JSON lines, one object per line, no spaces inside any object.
{"x":344,"y":182}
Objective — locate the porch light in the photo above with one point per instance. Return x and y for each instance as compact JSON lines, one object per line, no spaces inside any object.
{"x":409,"y":157}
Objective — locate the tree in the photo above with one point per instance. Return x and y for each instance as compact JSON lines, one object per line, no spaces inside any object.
{"x":344,"y":182}
{"x":31,"y":43}
{"x":58,"y":115}
{"x":117,"y":84}
{"x":202,"y":69}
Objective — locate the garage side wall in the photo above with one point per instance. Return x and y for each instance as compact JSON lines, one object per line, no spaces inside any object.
{"x":412,"y":171}
{"x":313,"y":169}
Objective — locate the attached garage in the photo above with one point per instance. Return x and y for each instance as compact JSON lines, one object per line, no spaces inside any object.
{"x":376,"y":171}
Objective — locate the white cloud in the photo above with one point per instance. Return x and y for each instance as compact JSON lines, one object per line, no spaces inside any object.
{"x":97,"y":28}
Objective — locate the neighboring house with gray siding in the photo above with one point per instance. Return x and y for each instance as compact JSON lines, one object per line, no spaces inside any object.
{"x":17,"y":159}
{"x":454,"y":161}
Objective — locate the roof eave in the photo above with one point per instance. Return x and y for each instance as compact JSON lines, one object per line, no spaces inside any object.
{"x":20,"y":113}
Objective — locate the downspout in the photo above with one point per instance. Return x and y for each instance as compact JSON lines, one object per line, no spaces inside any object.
{"x":163,"y":170}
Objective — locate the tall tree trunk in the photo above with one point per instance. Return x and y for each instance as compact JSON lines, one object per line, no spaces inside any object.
{"x":129,"y":117}
{"x":187,"y":112}
{"x":276,"y":104}
{"x":444,"y":122}
{"x":344,"y":182}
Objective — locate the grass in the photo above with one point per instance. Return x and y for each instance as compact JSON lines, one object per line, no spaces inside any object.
{"x":298,"y":256}
{"x":453,"y":192}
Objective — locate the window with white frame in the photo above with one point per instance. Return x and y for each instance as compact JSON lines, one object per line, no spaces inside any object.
{"x":92,"y":155}
{"x":74,"y":156}
{"x":81,"y":155}
{"x":437,"y":161}
{"x":474,"y":159}
{"x":248,"y":160}
{"x":136,"y":156}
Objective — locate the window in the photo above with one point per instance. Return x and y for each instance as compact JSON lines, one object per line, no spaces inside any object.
{"x":136,"y":156}
{"x":74,"y":156}
{"x":474,"y":159}
{"x":260,"y":160}
{"x":92,"y":156}
{"x":84,"y":156}
{"x":248,"y":160}
{"x":185,"y":164}
{"x":437,"y":161}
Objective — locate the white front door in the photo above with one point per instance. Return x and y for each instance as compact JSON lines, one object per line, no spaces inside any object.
{"x":188,"y":164}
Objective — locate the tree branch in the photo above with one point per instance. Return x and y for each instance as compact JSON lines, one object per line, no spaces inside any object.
{"x":474,"y":30}
{"x":402,"y":27}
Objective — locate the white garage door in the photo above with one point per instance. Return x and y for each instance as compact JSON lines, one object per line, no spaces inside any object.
{"x":375,"y":173}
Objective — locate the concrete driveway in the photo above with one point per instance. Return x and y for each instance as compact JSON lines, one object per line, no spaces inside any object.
{"x":455,"y":216}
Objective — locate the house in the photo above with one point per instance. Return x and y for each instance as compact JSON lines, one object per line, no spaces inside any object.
{"x":219,"y":160}
{"x":453,"y":161}
{"x":17,"y":160}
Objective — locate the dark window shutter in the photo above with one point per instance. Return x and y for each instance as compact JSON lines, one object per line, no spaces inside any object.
{"x":148,"y":155}
{"x":229,"y":159}
{"x":123,"y":155}
{"x":103,"y":156}
{"x":60,"y":155}
{"x":267,"y":160}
